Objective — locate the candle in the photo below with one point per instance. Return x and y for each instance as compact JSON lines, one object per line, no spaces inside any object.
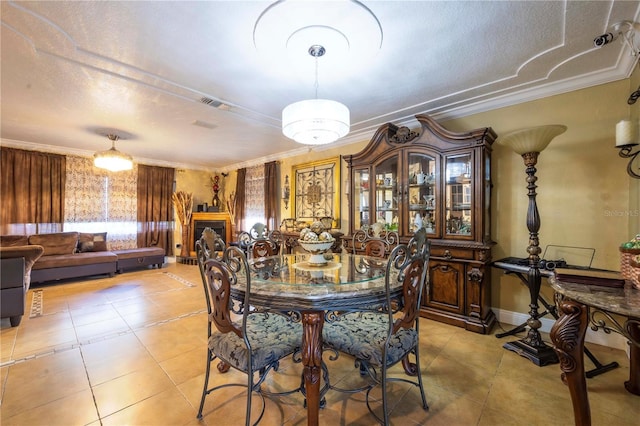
{"x":625,"y":133}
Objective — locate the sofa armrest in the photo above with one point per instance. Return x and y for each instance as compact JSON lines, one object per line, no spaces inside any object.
{"x":30,"y":253}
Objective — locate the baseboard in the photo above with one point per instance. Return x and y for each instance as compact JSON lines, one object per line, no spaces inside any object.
{"x":612,"y":340}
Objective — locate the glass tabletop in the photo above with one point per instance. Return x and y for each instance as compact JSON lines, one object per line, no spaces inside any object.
{"x":298,"y":270}
{"x":623,"y":301}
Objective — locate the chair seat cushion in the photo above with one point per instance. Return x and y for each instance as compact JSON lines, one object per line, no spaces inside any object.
{"x":363,"y":335}
{"x":272,"y":337}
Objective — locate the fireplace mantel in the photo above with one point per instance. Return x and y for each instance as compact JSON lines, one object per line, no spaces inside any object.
{"x":209,"y":216}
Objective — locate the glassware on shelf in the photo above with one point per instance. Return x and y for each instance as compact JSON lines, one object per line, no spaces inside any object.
{"x":417,"y":222}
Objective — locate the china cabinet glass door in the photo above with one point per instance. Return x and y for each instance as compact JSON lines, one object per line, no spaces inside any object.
{"x":422,"y":194}
{"x":458,"y":193}
{"x":386,"y":200}
{"x":361,"y":197}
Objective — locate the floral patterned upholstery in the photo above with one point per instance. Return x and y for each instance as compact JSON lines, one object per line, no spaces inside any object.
{"x":378,"y":340}
{"x":272,"y":337}
{"x":362,"y":336}
{"x":268,"y":337}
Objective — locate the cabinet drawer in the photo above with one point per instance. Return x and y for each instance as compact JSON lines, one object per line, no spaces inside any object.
{"x":451,"y":253}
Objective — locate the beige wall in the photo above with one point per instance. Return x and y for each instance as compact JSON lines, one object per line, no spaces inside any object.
{"x":585,"y":197}
{"x":583,"y":188}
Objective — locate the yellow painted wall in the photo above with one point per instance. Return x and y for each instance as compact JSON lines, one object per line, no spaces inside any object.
{"x":585,"y":197}
{"x":583,"y":188}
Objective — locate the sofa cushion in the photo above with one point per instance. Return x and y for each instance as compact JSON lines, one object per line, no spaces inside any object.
{"x":88,"y":242}
{"x":13,"y":240}
{"x":56,"y":243}
{"x":78,"y":259}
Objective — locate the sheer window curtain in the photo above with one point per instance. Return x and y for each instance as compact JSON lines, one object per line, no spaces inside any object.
{"x":254,"y":196}
{"x":155,"y":207}
{"x":101,"y":201}
{"x":32,"y":191}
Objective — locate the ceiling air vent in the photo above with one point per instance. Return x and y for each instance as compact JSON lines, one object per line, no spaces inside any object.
{"x":214,"y":103}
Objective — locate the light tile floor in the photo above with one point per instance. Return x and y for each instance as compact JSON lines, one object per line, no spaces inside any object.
{"x":132,"y":350}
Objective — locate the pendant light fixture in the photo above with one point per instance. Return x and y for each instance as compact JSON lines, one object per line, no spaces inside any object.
{"x":112,"y":159}
{"x":315,"y":121}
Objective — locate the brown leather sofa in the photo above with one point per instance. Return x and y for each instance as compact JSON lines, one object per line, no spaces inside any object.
{"x":66,"y":255}
{"x":78,"y":254}
{"x":15,"y":277}
{"x":49,"y":257}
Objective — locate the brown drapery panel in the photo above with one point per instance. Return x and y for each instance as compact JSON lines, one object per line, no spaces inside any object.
{"x":155,"y":207}
{"x":271,"y":200}
{"x":240,"y":210}
{"x":32,"y":191}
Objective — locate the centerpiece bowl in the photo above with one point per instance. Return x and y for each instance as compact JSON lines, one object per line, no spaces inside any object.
{"x":317,"y":250}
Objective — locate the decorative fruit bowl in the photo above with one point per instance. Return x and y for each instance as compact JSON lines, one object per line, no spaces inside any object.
{"x":317,"y":250}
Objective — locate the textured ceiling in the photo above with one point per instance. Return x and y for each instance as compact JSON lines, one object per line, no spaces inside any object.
{"x":73,"y":71}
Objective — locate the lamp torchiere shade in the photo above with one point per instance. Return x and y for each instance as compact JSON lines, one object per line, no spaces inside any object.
{"x":315,"y":121}
{"x":533,"y":139}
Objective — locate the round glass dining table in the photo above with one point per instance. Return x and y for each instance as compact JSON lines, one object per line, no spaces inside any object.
{"x":346,"y":282}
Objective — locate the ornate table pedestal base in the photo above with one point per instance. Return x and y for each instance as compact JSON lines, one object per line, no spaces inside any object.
{"x":312,"y":322}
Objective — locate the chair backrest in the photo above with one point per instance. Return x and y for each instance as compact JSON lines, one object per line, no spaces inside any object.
{"x":259,"y":242}
{"x":219,"y":274}
{"x":214,"y":243}
{"x":258,"y":230}
{"x":410,"y":261}
{"x":262,"y":247}
{"x":373,"y":243}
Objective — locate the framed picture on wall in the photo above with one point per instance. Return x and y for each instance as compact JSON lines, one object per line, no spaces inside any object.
{"x":316,"y":190}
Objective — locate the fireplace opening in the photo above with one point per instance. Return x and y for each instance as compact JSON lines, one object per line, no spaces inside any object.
{"x":219,"y":226}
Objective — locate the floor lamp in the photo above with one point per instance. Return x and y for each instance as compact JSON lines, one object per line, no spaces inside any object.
{"x":529,"y":143}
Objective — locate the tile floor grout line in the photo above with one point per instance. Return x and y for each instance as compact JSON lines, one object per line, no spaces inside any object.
{"x":98,"y":339}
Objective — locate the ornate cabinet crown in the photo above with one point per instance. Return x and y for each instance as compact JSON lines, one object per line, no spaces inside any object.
{"x":440,"y":180}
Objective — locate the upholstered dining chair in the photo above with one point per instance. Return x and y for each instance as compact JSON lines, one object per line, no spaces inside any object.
{"x":238,"y":334}
{"x":383,"y":338}
{"x":374,"y":242}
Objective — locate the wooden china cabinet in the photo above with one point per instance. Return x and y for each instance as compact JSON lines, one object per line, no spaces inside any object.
{"x":440,"y":180}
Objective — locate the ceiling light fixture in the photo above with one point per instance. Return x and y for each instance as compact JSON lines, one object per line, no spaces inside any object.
{"x":315,"y":121}
{"x":112,"y":159}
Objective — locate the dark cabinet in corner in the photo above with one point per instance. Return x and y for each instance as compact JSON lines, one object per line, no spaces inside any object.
{"x":440,"y":180}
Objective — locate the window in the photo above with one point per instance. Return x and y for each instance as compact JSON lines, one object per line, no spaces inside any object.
{"x":98,"y":201}
{"x":254,"y":196}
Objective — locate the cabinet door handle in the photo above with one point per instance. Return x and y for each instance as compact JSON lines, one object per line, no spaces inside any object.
{"x":447,"y":254}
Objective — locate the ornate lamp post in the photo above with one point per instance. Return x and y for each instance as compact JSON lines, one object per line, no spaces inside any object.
{"x":529,"y":143}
